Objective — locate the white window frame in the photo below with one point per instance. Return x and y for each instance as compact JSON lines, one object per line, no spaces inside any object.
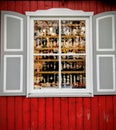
{"x":61,"y":13}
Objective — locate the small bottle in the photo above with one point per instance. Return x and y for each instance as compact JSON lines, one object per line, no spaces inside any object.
{"x":67,"y":81}
{"x":54,"y":68}
{"x":44,"y":66}
{"x":67,"y":67}
{"x":63,"y":81}
{"x":64,"y":65}
{"x":47,"y":66}
{"x":70,"y":66}
{"x":51,"y":66}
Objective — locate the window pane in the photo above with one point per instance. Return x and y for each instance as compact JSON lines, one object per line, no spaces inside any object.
{"x":46,"y":39}
{"x":73,"y":71}
{"x":73,"y":36}
{"x":46,"y":71}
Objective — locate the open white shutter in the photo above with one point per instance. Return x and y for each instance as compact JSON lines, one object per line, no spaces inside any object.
{"x":104,"y":51}
{"x":13,"y":54}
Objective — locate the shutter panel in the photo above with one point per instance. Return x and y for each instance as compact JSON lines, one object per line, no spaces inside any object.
{"x":13,"y":54}
{"x":104,"y":53}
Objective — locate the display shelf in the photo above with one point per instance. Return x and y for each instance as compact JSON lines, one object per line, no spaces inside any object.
{"x":46,"y":36}
{"x":78,"y":48}
{"x":70,"y":25}
{"x":48,"y":60}
{"x":72,"y":72}
{"x":37,"y":49}
{"x":56,"y":36}
{"x":56,"y":72}
{"x":37,"y":86}
{"x":74,"y":48}
{"x":63,"y":48}
{"x":46,"y":72}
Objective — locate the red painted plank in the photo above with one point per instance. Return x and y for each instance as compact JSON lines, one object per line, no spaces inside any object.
{"x":101,"y":108}
{"x":18,"y":6}
{"x":94,"y":113}
{"x":10,"y":113}
{"x":41,"y":5}
{"x":114,"y":111}
{"x":92,"y":6}
{"x":11,"y":5}
{"x":99,"y":7}
{"x":42,"y":106}
{"x":78,"y":5}
{"x":72,"y":114}
{"x":49,"y":114}
{"x":113,"y":7}
{"x":34,"y":114}
{"x":63,"y":4}
{"x":26,"y":114}
{"x":25,"y":6}
{"x":109,"y":113}
{"x":3,"y":5}
{"x":56,"y":4}
{"x":87,"y":113}
{"x":48,"y":4}
{"x":64,"y":114}
{"x":85,"y":5}
{"x":33,"y":6}
{"x":56,"y":114}
{"x":107,"y":7}
{"x":3,"y":113}
{"x":71,"y":4}
{"x":79,"y":113}
{"x":18,"y":113}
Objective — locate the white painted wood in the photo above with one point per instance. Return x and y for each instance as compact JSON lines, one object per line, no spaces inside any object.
{"x":113,"y":89}
{"x":59,"y":12}
{"x":13,"y":76}
{"x":5,"y":32}
{"x":5,"y":73}
{"x":104,"y":53}
{"x":113,"y":33}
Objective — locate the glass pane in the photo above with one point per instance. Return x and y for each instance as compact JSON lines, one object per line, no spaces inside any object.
{"x":46,"y":71}
{"x":73,"y":71}
{"x":46,"y":36}
{"x":73,"y":39}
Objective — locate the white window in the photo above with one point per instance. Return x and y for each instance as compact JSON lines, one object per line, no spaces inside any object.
{"x":59,"y":53}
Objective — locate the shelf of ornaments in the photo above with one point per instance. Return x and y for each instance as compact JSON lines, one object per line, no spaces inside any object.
{"x":46,"y":60}
{"x":56,"y":72}
{"x":71,"y":24}
{"x":36,"y":48}
{"x":55,"y":60}
{"x":56,"y":48}
{"x":66,"y":24}
{"x":73,"y":49}
{"x":57,"y":36}
{"x":45,"y":85}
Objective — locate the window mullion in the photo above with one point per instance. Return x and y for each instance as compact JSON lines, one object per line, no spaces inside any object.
{"x":60,"y":54}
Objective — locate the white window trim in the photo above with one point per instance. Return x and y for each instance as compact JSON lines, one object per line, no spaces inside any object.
{"x":62,"y":12}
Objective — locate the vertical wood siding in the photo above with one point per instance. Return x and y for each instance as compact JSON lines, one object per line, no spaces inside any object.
{"x":21,"y":113}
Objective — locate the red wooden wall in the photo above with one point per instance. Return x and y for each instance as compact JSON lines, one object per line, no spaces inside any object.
{"x":21,"y":113}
